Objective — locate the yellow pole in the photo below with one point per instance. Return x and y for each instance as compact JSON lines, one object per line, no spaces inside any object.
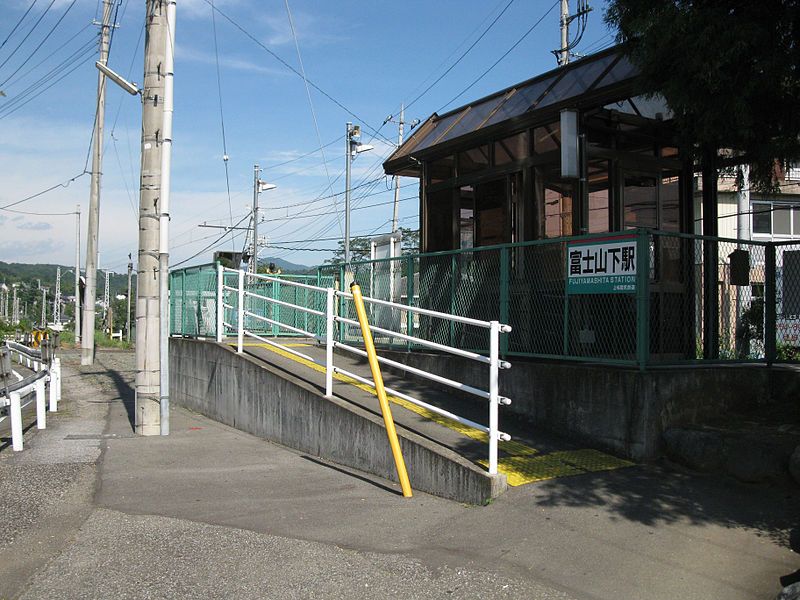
{"x":391,"y":432}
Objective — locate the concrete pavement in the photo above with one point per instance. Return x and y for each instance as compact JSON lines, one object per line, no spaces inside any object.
{"x":90,"y":511}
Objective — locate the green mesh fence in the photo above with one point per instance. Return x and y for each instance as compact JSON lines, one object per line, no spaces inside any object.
{"x":675,"y":310}
{"x":193,"y":301}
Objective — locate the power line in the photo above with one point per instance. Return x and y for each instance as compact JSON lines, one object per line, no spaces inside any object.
{"x":21,"y":19}
{"x":310,"y":102}
{"x":209,"y":245}
{"x":44,"y":39}
{"x":497,"y":62}
{"x":292,"y":69}
{"x":304,"y":155}
{"x":222,"y":118}
{"x":27,"y":35}
{"x":65,"y":184}
{"x":333,"y":212}
{"x":463,"y":55}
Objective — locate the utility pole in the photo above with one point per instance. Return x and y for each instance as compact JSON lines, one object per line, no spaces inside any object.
{"x":252,"y":266}
{"x":163,"y":245}
{"x":563,"y":55}
{"x":78,"y":274}
{"x":128,"y":318}
{"x":583,"y":9}
{"x":15,"y":306}
{"x":106,"y":297}
{"x":44,"y":308}
{"x":353,"y":147}
{"x":57,"y":298}
{"x":396,"y":212}
{"x":87,"y":351}
{"x":148,"y":303}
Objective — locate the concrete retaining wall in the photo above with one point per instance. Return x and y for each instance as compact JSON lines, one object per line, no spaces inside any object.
{"x":244,"y":393}
{"x":621,"y":409}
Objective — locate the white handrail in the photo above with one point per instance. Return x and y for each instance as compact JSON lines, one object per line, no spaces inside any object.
{"x":245,"y":310}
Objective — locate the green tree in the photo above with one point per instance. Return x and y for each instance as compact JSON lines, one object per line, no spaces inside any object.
{"x":360,"y":247}
{"x":729,"y":70}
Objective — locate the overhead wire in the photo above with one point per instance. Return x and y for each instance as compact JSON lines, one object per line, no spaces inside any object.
{"x":19,"y":22}
{"x":277,"y":57}
{"x":222,"y":118}
{"x":463,"y":55}
{"x":499,"y":60}
{"x":41,"y":43}
{"x":27,"y":35}
{"x":310,"y":101}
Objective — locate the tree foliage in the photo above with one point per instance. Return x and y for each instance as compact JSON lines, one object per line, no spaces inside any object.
{"x":360,"y":247}
{"x":729,"y":70}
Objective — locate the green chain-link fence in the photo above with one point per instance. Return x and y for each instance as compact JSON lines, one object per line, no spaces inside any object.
{"x":635,"y":298}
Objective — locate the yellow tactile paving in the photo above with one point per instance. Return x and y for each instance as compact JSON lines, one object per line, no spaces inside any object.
{"x":521,"y":464}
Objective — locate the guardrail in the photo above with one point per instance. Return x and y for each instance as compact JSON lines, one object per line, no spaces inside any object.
{"x":17,"y":395}
{"x":236,"y":314}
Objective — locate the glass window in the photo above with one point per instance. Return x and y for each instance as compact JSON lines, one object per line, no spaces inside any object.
{"x":762,"y":218}
{"x":520,"y":101}
{"x":473,"y":160}
{"x":439,"y":227}
{"x":598,"y":196}
{"x":441,"y":169}
{"x":669,"y":196}
{"x":467,"y":217}
{"x":547,"y":138}
{"x":511,"y":149}
{"x":639,"y":197}
{"x":491,"y":208}
{"x":781,"y":220}
{"x":796,"y":220}
{"x":475,"y":115}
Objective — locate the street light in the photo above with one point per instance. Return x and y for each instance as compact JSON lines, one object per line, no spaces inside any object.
{"x":353,"y":148}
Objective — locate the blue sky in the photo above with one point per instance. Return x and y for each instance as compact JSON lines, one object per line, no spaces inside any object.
{"x":368,"y":56}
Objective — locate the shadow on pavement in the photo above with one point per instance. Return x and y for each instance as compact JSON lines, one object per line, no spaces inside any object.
{"x":655,"y":496}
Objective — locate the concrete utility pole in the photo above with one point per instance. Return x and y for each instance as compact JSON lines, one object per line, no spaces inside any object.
{"x":44,"y":307}
{"x":15,"y":306}
{"x":563,"y":53}
{"x":78,"y":274}
{"x":163,"y":252}
{"x":148,"y":301}
{"x":743,"y":200}
{"x":57,"y":298}
{"x":252,"y":266}
{"x":348,"y":141}
{"x":128,"y":317}
{"x":396,"y":212}
{"x":87,"y":351}
{"x":106,"y":297}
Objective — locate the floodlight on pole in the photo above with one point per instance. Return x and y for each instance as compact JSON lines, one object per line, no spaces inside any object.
{"x":126,"y":85}
{"x":353,"y":149}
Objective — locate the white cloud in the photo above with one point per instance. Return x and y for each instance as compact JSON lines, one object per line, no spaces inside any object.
{"x":184,"y":53}
{"x":34,"y":226}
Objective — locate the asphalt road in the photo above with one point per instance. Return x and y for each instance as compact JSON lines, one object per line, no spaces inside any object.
{"x":90,"y":511}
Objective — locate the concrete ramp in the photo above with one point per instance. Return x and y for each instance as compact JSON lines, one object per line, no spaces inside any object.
{"x":271,"y":402}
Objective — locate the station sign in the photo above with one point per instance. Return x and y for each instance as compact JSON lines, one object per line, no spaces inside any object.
{"x":602,"y":266}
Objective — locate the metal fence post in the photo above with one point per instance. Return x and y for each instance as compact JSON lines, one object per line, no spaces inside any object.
{"x":642,"y":298}
{"x":770,"y":304}
{"x":329,"y":304}
{"x":240,"y":333}
{"x":16,"y":421}
{"x":494,"y":395}
{"x":57,"y":362}
{"x":505,"y":294}
{"x":342,"y":303}
{"x":453,"y":268}
{"x":220,"y":307}
{"x":183,"y":301}
{"x":53,"y":398}
{"x":409,"y":298}
{"x":41,"y":406}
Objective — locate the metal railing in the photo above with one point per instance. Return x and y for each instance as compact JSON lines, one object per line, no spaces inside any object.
{"x":17,"y":395}
{"x":242,"y":306}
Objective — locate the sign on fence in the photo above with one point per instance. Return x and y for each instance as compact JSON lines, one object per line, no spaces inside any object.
{"x":605,"y":266}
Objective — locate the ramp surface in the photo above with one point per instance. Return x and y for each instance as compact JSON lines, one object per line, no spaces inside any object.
{"x":532,"y":455}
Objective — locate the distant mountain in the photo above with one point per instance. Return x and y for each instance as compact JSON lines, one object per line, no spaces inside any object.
{"x":286,"y":266}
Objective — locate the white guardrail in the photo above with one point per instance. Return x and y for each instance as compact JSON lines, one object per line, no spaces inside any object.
{"x":15,"y":396}
{"x":241,"y":293}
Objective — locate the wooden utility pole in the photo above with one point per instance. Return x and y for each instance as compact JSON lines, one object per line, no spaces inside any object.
{"x":87,"y":346}
{"x":148,"y":372}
